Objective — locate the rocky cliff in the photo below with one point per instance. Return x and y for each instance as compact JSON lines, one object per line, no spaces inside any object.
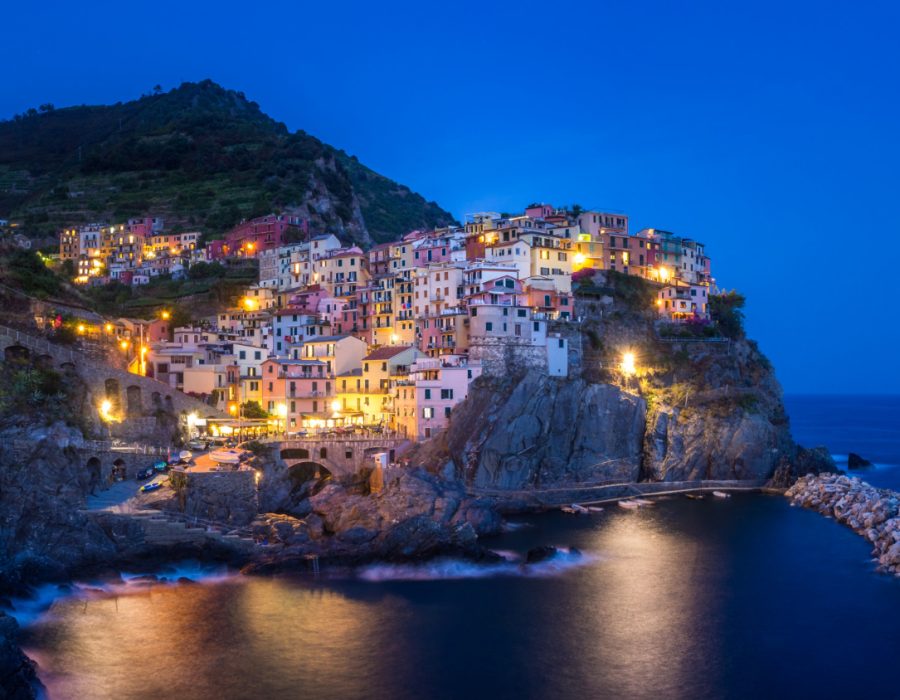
{"x":699,"y":405}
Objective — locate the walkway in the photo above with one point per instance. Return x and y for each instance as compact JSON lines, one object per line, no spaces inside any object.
{"x":607,"y":492}
{"x":115,"y":495}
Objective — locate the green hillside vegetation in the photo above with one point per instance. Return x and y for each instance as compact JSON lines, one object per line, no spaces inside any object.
{"x":206,"y":288}
{"x":201,"y":157}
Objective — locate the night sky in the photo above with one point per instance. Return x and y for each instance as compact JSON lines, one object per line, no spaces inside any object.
{"x":767,"y":130}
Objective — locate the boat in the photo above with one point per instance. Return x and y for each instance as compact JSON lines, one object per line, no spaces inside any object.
{"x":694,"y":496}
{"x":185,"y":455}
{"x":595,"y":509}
{"x":721,"y":494}
{"x":629,"y":505}
{"x":568,"y":509}
{"x":581,"y":510}
{"x":152,"y":486}
{"x":642,"y":501}
{"x":225,"y":456}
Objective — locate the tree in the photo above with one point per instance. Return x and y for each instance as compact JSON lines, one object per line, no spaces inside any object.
{"x":252,"y":409}
{"x":725,"y":310}
{"x":46,"y":107}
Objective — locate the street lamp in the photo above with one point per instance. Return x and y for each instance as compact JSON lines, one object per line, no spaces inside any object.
{"x":165,"y":315}
{"x":627,"y":365}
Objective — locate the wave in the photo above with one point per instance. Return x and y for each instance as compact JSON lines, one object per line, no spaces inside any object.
{"x":30,"y":609}
{"x":457,"y":569}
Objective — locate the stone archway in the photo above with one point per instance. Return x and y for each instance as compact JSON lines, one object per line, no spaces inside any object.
{"x":95,"y":472}
{"x":302,"y":473}
{"x":295,"y":453}
{"x":16,"y":353}
{"x":119,"y":471}
{"x":113,"y":393}
{"x":133,"y":403}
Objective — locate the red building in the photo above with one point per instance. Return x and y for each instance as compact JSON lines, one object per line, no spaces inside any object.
{"x":264,"y":233}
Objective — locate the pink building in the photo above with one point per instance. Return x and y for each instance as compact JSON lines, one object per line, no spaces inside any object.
{"x":538,"y":211}
{"x":297,"y":393}
{"x":423,"y":403}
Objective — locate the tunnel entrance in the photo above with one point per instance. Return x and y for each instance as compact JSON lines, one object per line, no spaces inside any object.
{"x":310,"y":476}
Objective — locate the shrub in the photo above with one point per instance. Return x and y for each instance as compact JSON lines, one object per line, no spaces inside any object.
{"x":725,"y":310}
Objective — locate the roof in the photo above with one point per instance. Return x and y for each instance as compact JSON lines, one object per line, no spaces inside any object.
{"x":356,"y":372}
{"x":328,"y":338}
{"x":291,"y":361}
{"x":387,"y":352}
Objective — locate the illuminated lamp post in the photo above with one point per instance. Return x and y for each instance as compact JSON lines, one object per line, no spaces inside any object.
{"x":627,"y":365}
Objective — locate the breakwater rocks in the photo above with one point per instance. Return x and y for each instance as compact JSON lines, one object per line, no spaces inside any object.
{"x":868,"y":511}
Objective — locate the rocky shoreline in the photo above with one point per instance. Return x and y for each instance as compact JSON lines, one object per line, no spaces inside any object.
{"x":870,"y":512}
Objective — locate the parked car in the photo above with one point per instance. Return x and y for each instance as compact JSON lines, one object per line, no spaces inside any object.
{"x":145,"y":473}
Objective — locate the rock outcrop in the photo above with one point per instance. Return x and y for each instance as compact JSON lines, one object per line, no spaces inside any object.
{"x":868,"y":511}
{"x":43,"y":488}
{"x":415,"y":516}
{"x":17,"y":672}
{"x":854,"y":461}
{"x":540,"y":431}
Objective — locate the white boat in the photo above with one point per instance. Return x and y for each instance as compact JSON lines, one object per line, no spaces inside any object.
{"x":630,"y":505}
{"x":581,"y":510}
{"x":595,"y":509}
{"x":642,"y":501}
{"x":184,"y":455}
{"x":568,"y":509}
{"x":225,"y":456}
{"x":721,"y":494}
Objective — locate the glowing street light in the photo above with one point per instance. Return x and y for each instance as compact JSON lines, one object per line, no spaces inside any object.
{"x":124,"y":345}
{"x":108,"y":327}
{"x":81,"y":328}
{"x":664,"y":273}
{"x":579,"y":259}
{"x":335,"y":405}
{"x":627,"y":366}
{"x":106,"y":411}
{"x":165,"y":315}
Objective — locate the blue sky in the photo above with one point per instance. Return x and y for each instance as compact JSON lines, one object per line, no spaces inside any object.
{"x":767,"y":130}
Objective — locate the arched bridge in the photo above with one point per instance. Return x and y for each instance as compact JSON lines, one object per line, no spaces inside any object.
{"x":130,"y":394}
{"x":339,"y":456}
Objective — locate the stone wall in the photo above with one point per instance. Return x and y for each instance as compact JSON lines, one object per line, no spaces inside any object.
{"x":502,"y":356}
{"x":222,"y":497}
{"x":130,"y":393}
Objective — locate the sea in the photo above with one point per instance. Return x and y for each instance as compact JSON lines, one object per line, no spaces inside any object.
{"x":745,"y":597}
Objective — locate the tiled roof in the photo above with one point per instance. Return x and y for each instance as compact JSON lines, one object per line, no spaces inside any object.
{"x":387,"y":352}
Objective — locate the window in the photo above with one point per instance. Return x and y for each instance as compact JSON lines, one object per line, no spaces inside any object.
{"x":446,"y":393}
{"x":521,"y":313}
{"x":427,"y":394}
{"x":488,"y":326}
{"x":428,"y":412}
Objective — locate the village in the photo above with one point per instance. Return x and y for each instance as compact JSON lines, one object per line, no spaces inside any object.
{"x":332,"y":338}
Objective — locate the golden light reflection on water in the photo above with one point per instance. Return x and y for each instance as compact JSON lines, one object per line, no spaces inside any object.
{"x":634,"y":619}
{"x":290,"y":637}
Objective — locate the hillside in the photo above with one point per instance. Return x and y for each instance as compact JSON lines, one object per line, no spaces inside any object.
{"x":201,"y":157}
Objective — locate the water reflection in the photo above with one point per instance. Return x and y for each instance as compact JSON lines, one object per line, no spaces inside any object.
{"x":683,"y":600}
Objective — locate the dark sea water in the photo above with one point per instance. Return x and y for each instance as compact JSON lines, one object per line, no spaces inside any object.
{"x":738,"y":598}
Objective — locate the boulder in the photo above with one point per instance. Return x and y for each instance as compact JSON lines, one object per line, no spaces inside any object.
{"x":854,"y":461}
